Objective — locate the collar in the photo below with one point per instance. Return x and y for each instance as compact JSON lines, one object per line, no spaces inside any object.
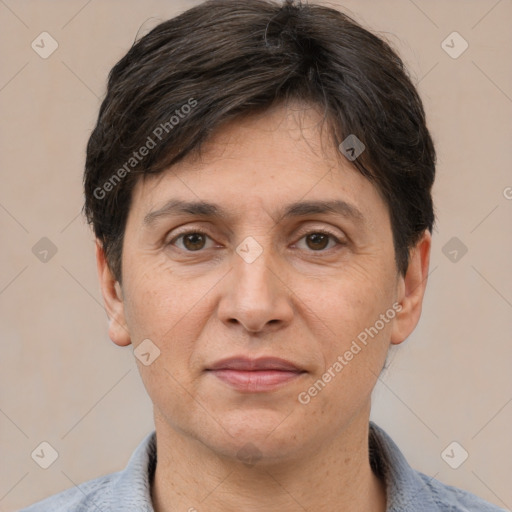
{"x":406,"y":489}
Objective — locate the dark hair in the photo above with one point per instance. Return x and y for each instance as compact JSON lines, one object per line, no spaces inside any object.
{"x":226,"y":58}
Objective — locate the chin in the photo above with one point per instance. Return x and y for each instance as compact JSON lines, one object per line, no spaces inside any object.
{"x":267,"y":436}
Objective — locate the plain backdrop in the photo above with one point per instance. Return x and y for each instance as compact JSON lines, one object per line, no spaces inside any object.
{"x":62,"y":380}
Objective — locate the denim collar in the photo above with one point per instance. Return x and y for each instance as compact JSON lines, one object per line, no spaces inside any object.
{"x":405,"y":487}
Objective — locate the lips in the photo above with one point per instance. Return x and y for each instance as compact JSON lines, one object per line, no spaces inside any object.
{"x":255,"y":375}
{"x":260,"y":364}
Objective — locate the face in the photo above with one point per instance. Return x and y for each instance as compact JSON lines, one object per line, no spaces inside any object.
{"x":263,"y":273}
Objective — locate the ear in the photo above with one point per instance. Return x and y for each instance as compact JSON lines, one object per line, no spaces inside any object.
{"x":113,"y":298}
{"x":411,"y":289}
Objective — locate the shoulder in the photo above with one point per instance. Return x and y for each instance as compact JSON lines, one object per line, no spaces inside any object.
{"x":91,"y":495}
{"x":453,"y":499}
{"x":128,"y":489}
{"x":409,"y":489}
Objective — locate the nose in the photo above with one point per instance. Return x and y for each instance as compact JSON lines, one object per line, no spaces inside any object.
{"x":256,"y":296}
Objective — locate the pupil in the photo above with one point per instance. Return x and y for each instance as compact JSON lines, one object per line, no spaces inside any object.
{"x":319,"y":237}
{"x":195,"y":239}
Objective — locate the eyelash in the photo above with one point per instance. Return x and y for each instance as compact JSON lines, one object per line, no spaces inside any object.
{"x":314,"y":231}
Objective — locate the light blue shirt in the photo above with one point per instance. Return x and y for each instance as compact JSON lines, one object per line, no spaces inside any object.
{"x":129,"y":490}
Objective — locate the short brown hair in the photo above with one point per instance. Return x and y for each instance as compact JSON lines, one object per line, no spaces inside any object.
{"x":226,"y":58}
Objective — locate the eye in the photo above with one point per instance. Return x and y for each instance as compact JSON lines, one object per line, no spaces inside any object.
{"x":196,"y":240}
{"x":319,"y":240}
{"x":191,"y":241}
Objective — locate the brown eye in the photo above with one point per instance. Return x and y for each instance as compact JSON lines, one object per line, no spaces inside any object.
{"x":317,"y":241}
{"x":194,"y":241}
{"x":191,"y":241}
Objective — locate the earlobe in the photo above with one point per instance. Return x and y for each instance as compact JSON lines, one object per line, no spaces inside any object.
{"x":411,"y":290}
{"x":113,"y":299}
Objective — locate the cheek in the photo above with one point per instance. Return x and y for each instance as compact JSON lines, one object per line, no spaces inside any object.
{"x":165,"y":309}
{"x":169,"y":308}
{"x":158,"y":299}
{"x":346,"y":303}
{"x":147,"y":312}
{"x":352,"y":336}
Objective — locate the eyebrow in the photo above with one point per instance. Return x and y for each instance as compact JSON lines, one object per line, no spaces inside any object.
{"x":176,"y":207}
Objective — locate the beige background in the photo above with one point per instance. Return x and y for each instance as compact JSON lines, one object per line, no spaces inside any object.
{"x":63,"y":381}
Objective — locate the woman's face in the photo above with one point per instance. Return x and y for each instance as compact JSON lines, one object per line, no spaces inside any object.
{"x":291,"y":258}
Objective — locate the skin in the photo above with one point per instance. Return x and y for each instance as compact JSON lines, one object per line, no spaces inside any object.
{"x":301,"y":300}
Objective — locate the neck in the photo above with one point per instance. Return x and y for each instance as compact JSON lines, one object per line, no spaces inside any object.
{"x":191,"y":477}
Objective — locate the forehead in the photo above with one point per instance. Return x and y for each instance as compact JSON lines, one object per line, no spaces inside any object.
{"x":272,"y":161}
